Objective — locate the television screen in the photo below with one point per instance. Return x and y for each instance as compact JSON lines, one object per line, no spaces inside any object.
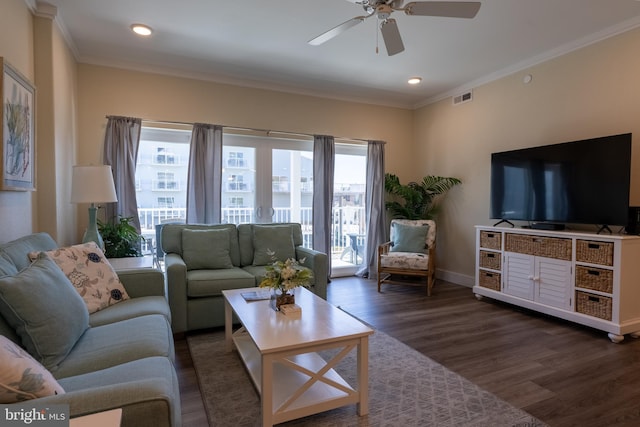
{"x":584,"y":182}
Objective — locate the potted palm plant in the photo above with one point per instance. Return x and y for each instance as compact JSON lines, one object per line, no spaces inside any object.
{"x":416,"y":200}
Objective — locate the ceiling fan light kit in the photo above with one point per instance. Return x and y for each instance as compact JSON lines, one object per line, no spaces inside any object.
{"x":383,"y":9}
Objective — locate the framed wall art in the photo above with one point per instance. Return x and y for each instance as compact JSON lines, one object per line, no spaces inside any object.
{"x":18,"y":154}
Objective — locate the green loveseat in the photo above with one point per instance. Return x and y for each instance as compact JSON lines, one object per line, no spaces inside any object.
{"x":203,"y":260}
{"x":122,"y":357}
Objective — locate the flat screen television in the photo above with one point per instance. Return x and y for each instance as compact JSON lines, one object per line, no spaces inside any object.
{"x":579,"y":182}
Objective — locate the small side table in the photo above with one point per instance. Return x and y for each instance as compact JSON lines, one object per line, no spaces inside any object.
{"x":128,"y":263}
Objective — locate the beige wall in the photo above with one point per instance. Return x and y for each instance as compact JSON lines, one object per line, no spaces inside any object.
{"x":65,"y":117}
{"x":588,"y":93}
{"x":35,"y":46}
{"x":109,"y":91}
{"x":16,"y":47}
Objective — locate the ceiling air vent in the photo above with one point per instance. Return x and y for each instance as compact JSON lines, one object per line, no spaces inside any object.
{"x":463,"y":97}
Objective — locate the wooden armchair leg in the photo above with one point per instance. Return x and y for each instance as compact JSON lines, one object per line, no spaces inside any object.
{"x":430,"y":282}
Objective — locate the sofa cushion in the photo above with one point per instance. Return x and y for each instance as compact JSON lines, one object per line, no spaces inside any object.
{"x":272,"y":243}
{"x":17,"y":250}
{"x":405,"y":260}
{"x":172,"y":238}
{"x":206,"y":249}
{"x":147,"y":390}
{"x":21,"y":376}
{"x":7,"y":267}
{"x":206,"y":283}
{"x":134,"y":307}
{"x":108,"y":345}
{"x":409,"y":238}
{"x":44,"y":309}
{"x":90,"y":273}
{"x":245,"y":239}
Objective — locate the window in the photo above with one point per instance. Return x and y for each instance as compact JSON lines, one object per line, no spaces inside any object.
{"x":166,"y":181}
{"x":236,"y":160}
{"x":236,"y":183}
{"x":236,"y":202}
{"x":164,"y":156}
{"x":280,"y":183}
{"x":264,"y":179}
{"x":275,"y":179}
{"x":161,"y":176}
{"x":166,"y":202}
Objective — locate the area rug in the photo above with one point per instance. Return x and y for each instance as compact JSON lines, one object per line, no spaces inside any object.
{"x":406,"y":389}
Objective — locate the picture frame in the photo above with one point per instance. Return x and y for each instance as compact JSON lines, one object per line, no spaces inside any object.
{"x":18,"y":151}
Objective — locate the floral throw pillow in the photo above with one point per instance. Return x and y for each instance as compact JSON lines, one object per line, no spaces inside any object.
{"x":21,"y":377}
{"x":90,"y":273}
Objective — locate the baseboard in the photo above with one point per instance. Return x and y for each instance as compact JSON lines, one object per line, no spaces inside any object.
{"x":457,"y":278}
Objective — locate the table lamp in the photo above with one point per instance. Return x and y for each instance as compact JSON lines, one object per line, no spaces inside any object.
{"x":93,"y":184}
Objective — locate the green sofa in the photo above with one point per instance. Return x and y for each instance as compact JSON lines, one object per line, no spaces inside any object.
{"x":122,"y":359}
{"x":196,"y":276}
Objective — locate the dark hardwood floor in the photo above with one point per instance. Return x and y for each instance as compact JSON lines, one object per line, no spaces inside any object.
{"x":560,"y":372}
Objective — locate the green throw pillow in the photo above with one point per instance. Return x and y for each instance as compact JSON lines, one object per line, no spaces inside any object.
{"x":409,"y":238}
{"x":272,"y":243}
{"x":47,"y":313}
{"x":206,"y":249}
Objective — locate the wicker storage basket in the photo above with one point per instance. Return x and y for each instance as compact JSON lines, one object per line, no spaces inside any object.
{"x":490,"y":260}
{"x":594,"y":252}
{"x":549,"y":247}
{"x":593,"y":305}
{"x":490,"y":240}
{"x":489,"y":280}
{"x":597,"y":279}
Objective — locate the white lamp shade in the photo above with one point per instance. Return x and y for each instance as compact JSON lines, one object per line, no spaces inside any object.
{"x":92,"y":184}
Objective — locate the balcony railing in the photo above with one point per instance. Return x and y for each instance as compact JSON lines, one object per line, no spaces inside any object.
{"x":346,"y":221}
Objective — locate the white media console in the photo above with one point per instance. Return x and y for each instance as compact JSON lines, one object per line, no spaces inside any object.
{"x":587,"y":278}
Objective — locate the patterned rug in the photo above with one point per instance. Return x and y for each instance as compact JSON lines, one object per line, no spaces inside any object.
{"x":406,"y":389}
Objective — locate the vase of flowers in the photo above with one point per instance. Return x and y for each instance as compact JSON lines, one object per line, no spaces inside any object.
{"x":283,"y":277}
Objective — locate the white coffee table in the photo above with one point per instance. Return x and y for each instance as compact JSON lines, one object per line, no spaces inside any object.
{"x":279,"y":353}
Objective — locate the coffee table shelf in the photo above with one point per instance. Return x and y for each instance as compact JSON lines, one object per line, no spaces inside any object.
{"x":281,"y":355}
{"x":287,"y":381}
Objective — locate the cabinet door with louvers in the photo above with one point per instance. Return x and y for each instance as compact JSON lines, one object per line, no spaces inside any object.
{"x":545,"y":280}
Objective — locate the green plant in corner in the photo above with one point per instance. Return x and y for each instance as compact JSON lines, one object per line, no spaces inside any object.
{"x":416,"y":200}
{"x":121,"y":239}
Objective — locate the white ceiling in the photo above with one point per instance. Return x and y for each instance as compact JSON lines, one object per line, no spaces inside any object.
{"x":262,"y":43}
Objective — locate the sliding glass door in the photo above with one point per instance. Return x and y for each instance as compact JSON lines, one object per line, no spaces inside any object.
{"x":349,"y":225}
{"x":267,"y":180}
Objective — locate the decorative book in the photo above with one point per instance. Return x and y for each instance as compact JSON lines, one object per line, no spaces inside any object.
{"x":256,"y":295}
{"x":292,"y":310}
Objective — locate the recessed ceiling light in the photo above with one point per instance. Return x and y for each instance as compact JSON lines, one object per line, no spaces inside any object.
{"x":141,"y":29}
{"x":414,"y":80}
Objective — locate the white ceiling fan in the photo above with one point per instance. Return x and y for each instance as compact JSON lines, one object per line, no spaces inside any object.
{"x":388,"y":26}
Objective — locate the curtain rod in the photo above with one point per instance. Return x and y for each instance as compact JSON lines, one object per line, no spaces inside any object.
{"x":267,"y":131}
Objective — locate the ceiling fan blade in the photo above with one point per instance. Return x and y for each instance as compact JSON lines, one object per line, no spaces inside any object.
{"x":451,"y":9}
{"x":337,"y":30}
{"x":391,"y":36}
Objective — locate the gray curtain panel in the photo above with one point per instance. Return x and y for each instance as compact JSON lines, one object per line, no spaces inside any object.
{"x":374,"y":208}
{"x":323,"y":167}
{"x":121,"y":141}
{"x":204,"y":180}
